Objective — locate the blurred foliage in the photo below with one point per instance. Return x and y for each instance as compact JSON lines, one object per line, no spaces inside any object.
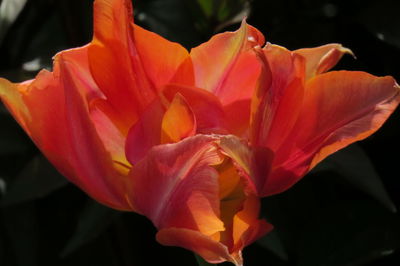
{"x":342,"y":213}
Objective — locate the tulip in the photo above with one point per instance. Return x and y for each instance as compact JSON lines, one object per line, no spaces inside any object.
{"x":193,"y":140}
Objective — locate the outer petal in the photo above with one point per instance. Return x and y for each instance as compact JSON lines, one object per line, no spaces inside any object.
{"x":175,"y":186}
{"x":219,"y":60}
{"x":94,"y":169}
{"x":339,"y":108}
{"x":66,"y":136}
{"x":321,"y":59}
{"x":111,"y":137}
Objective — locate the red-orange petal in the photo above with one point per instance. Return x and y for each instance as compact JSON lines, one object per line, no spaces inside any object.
{"x":247,"y":228}
{"x":278,"y":99}
{"x":178,"y":122}
{"x":339,"y":108}
{"x":323,"y":58}
{"x":162,"y":59}
{"x":131,"y":65}
{"x":146,"y":132}
{"x":114,"y":63}
{"x":53,"y":110}
{"x":209,"y":113}
{"x":222,"y":58}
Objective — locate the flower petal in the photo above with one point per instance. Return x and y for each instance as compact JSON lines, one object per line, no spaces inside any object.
{"x":162,"y":58}
{"x":241,"y":80}
{"x":145,"y":133}
{"x":247,"y":228}
{"x":113,"y":48}
{"x":253,"y":163}
{"x":339,"y":108}
{"x":53,"y":110}
{"x":321,"y":59}
{"x":93,"y":168}
{"x":278,"y":99}
{"x":238,"y":118}
{"x":130,"y":64}
{"x":209,"y":113}
{"x":107,"y":128}
{"x":178,"y":122}
{"x":175,"y":186}
{"x":214,"y":61}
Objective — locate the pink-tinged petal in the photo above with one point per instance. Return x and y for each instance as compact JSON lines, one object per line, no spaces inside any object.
{"x":146,"y":132}
{"x":211,"y":250}
{"x":108,"y":131}
{"x":93,"y":167}
{"x":339,"y":108}
{"x":175,"y":185}
{"x":163,"y":59}
{"x":323,"y":58}
{"x":178,"y":122}
{"x":209,"y":113}
{"x":214,"y":61}
{"x":278,"y":98}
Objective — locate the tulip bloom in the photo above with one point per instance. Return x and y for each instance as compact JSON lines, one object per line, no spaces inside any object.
{"x":193,"y":140}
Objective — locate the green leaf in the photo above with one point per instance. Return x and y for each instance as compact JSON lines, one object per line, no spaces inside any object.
{"x":353,"y":166}
{"x":38,"y":179}
{"x":273,"y":243}
{"x":201,"y":261}
{"x":207,"y":7}
{"x":94,"y":220}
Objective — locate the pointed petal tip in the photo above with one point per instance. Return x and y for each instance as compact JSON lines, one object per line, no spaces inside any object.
{"x":344,"y":50}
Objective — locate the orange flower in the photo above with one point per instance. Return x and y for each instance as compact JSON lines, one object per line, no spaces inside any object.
{"x":193,"y":140}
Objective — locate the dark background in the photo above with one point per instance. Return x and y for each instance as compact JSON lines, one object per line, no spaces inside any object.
{"x":343,"y":213}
